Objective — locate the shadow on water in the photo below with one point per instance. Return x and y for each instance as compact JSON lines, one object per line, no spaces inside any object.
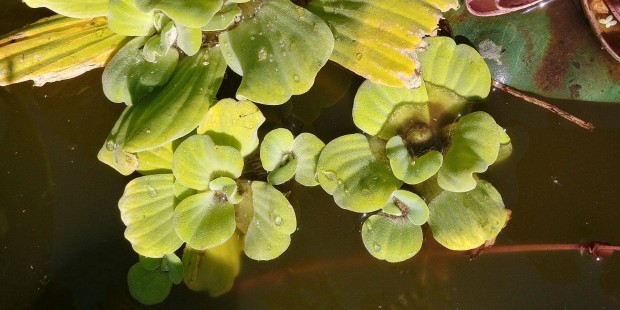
{"x":64,"y":245}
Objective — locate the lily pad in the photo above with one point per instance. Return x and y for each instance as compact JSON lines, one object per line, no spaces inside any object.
{"x":474,"y":148}
{"x":125,"y":19}
{"x":197,"y":161}
{"x":189,"y":13}
{"x":348,"y":170}
{"x":204,"y":220}
{"x":233,"y":123}
{"x":73,"y":8}
{"x":278,"y":50}
{"x":409,"y":169}
{"x":393,"y":239}
{"x":213,"y":270}
{"x":377,"y":39}
{"x":147,"y":207}
{"x":149,"y":287}
{"x":273,"y":222}
{"x":129,"y":77}
{"x":464,"y":221}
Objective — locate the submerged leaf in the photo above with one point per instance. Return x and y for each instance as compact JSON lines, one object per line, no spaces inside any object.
{"x":189,"y":13}
{"x":213,"y":270}
{"x":464,"y":221}
{"x":233,"y":123}
{"x":474,"y":148}
{"x":348,"y":170}
{"x":409,"y":169}
{"x":197,"y":161}
{"x":272,"y":224}
{"x":391,"y":239}
{"x":73,"y":8}
{"x":278,"y":51}
{"x":56,"y":48}
{"x":377,"y":39}
{"x":147,"y":209}
{"x":149,"y":287}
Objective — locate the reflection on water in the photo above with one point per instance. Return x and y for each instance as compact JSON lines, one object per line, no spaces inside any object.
{"x":64,"y":243}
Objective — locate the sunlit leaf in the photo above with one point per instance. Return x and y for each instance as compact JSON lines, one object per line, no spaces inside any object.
{"x":383,"y":110}
{"x":147,"y":209}
{"x":213,"y":270}
{"x":228,"y":187}
{"x":464,"y":221}
{"x":178,"y":107}
{"x":149,"y":287}
{"x":157,"y":160}
{"x":278,"y":51}
{"x":189,"y":13}
{"x":112,"y":154}
{"x":223,"y":19}
{"x":56,"y":48}
{"x":458,"y":68}
{"x":198,"y":160}
{"x":204,"y":220}
{"x":129,"y":77}
{"x":409,"y":169}
{"x":377,"y":39}
{"x":160,"y":44}
{"x":474,"y":148}
{"x":408,"y":205}
{"x":276,"y":155}
{"x":174,"y":267}
{"x":348,"y":170}
{"x":393,"y":239}
{"x":244,"y":210}
{"x":306,"y":149}
{"x":233,"y":123}
{"x":189,"y":40}
{"x":125,"y":19}
{"x":273,"y":222}
{"x":73,"y":8}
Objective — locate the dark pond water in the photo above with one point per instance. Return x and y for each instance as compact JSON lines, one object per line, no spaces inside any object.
{"x":62,"y":244}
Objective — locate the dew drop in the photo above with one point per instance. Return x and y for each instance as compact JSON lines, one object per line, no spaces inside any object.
{"x":152,"y":191}
{"x":359,"y":56}
{"x":365,"y":192}
{"x":148,"y":131}
{"x":376,"y":247}
{"x":278,"y":221}
{"x":262,"y":55}
{"x":296,"y":78}
{"x":330,"y":175}
{"x":110,"y":146}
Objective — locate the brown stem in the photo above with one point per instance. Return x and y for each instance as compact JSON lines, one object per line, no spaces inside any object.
{"x":571,"y":118}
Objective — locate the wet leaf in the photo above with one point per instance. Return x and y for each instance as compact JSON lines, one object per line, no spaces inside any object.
{"x":223,"y":19}
{"x":125,"y":19}
{"x":475,"y":146}
{"x":160,"y":44}
{"x":149,"y":287}
{"x":278,"y":51}
{"x":189,"y":13}
{"x":233,"y":123}
{"x":348,"y":170}
{"x":409,"y":169}
{"x":197,"y":161}
{"x":56,"y":48}
{"x":377,"y":39}
{"x":204,"y":220}
{"x":393,"y":239}
{"x":129,"y":77}
{"x":147,"y":207}
{"x":213,"y":270}
{"x":383,"y":110}
{"x":73,"y":8}
{"x":272,"y":224}
{"x":464,"y":221}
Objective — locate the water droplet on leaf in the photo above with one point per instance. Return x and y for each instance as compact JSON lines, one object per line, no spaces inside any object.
{"x":376,"y":247}
{"x":278,"y":221}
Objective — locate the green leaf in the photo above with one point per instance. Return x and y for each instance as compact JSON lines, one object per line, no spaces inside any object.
{"x":273,"y":222}
{"x":393,"y":239}
{"x":181,"y":191}
{"x":223,"y":19}
{"x":474,"y":148}
{"x":233,"y":123}
{"x":112,"y":154}
{"x":228,"y":187}
{"x":408,"y":205}
{"x":157,"y":160}
{"x":147,"y":207}
{"x":125,"y":19}
{"x":543,"y":52}
{"x":204,"y":220}
{"x":189,"y":13}
{"x":149,"y":287}
{"x":383,"y":110}
{"x":56,"y":48}
{"x":198,"y":160}
{"x":464,"y":221}
{"x":189,"y":40}
{"x":278,"y":52}
{"x":276,"y":155}
{"x":174,"y":267}
{"x":307,"y":148}
{"x":458,"y":68}
{"x":129,"y":77}
{"x":377,"y":39}
{"x":348,"y":170}
{"x":159,"y":45}
{"x":73,"y":8}
{"x":177,"y":108}
{"x":150,"y":263}
{"x":213,"y":270}
{"x":244,"y":210}
{"x":409,"y":169}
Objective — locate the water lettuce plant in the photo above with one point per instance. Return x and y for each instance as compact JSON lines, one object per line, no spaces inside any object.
{"x":416,"y":162}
